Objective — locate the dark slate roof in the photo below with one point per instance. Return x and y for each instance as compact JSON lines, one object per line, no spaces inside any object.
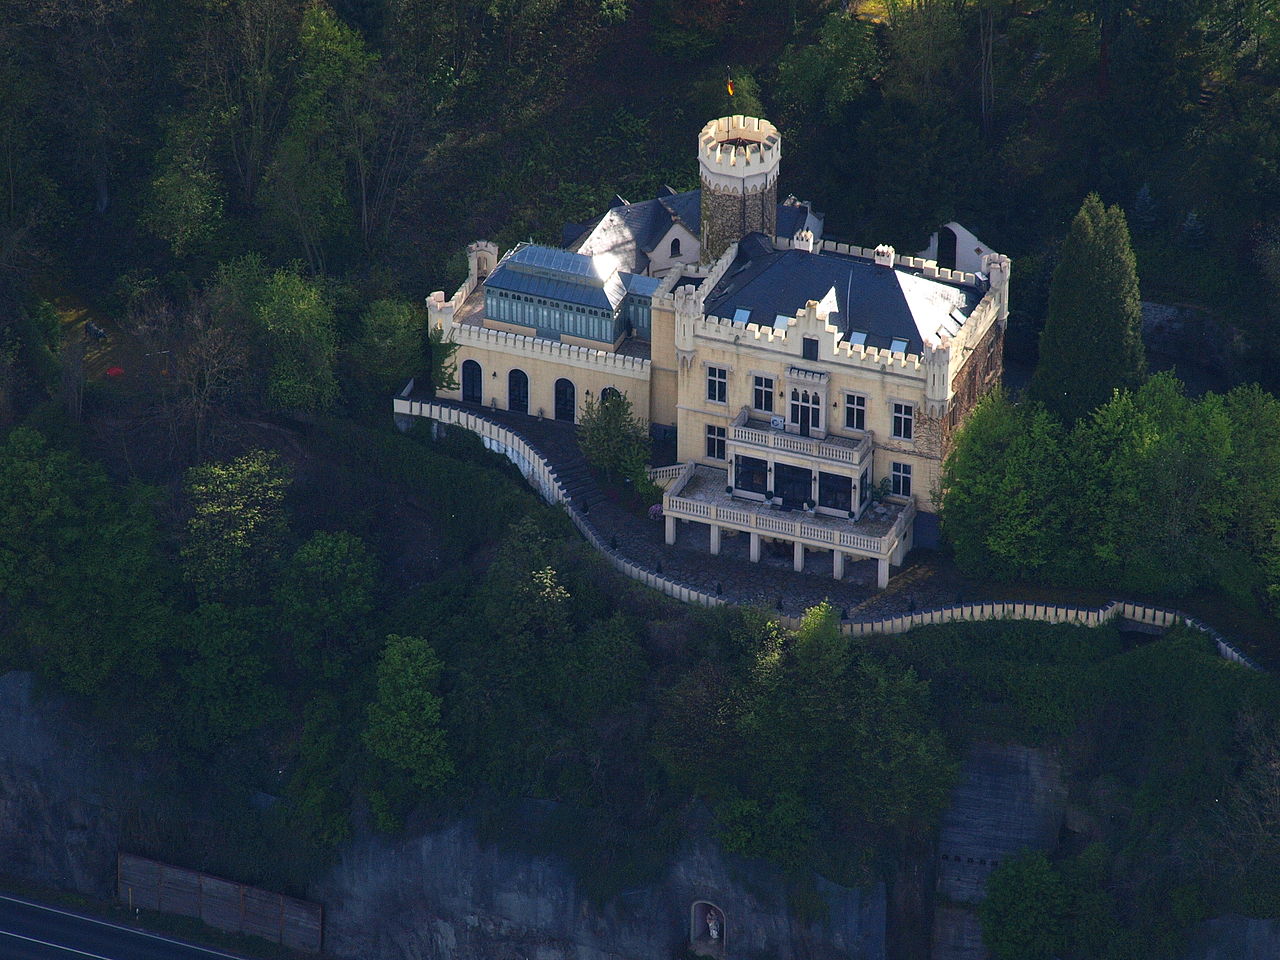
{"x":791,"y":218}
{"x":632,"y":231}
{"x":559,"y":275}
{"x":884,"y":303}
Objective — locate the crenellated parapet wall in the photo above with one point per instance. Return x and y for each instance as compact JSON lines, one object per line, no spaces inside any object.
{"x":472,"y":335}
{"x":739,"y":154}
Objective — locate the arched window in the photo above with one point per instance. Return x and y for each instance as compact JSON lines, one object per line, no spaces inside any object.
{"x":518,"y":391}
{"x":566,"y":400}
{"x":947,"y":248}
{"x":471,"y":382}
{"x":675,"y":247}
{"x":608,"y":392}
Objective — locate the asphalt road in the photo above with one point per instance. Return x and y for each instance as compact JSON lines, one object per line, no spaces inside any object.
{"x":29,"y":931}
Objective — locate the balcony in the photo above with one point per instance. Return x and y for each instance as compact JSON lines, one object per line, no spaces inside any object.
{"x":760,"y":434}
{"x":698,"y":494}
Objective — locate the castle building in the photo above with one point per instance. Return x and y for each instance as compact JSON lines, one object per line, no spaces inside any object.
{"x":812,"y":386}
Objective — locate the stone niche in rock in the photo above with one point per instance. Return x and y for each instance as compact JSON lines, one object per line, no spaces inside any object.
{"x":706,"y":929}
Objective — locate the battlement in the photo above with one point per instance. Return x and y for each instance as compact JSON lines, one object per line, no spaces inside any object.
{"x":725,"y":330}
{"x":485,"y":337}
{"x":739,"y":154}
{"x":928,"y":268}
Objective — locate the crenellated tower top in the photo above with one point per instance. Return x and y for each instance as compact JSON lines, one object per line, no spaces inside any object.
{"x":738,"y":160}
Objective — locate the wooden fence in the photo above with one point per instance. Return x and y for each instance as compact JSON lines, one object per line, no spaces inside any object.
{"x":220,"y":903}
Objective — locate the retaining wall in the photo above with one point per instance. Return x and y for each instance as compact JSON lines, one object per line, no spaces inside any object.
{"x":542,"y":476}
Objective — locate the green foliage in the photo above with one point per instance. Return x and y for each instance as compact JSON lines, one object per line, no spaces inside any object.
{"x":224,"y":681}
{"x":442,"y":369}
{"x":184,"y":207}
{"x":1024,"y":915}
{"x":299,"y":324}
{"x":389,"y":350}
{"x":237,"y":527}
{"x":1144,"y":494}
{"x":323,"y":597}
{"x":81,"y":583}
{"x":612,"y":437}
{"x":404,"y":718}
{"x":817,"y":736}
{"x":1092,"y":339}
{"x":305,"y":186}
{"x":826,"y":78}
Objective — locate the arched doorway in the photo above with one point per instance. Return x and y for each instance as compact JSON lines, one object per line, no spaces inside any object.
{"x":566,"y":400}
{"x":706,"y":929}
{"x":471,"y":382}
{"x":947,"y":248}
{"x":518,"y":391}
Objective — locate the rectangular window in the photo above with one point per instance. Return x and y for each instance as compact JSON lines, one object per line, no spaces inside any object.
{"x":763,"y":394}
{"x":835,"y":491}
{"x":903,"y":420}
{"x":751,"y":475}
{"x":810,"y":348}
{"x":715,"y":442}
{"x":855,"y":411}
{"x":902,"y":479}
{"x":717,"y":384}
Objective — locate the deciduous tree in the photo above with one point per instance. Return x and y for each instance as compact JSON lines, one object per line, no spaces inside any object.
{"x":237,"y":527}
{"x":404,"y":719}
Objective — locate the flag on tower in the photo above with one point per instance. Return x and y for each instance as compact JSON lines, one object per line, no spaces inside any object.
{"x":729,"y":84}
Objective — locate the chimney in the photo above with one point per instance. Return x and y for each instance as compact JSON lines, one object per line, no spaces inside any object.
{"x":884,"y":255}
{"x":803,"y":241}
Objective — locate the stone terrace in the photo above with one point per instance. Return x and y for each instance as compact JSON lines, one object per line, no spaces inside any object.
{"x":730,"y":574}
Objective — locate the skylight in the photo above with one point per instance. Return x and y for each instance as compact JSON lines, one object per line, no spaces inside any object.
{"x":858,"y":337}
{"x":742,"y":315}
{"x":897,"y":345}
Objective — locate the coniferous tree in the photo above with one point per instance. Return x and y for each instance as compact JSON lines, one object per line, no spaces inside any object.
{"x":1092,"y":338}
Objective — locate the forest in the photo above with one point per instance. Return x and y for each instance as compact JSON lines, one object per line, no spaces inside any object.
{"x":218,"y":221}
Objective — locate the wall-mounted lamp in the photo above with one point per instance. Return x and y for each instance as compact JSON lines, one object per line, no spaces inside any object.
{"x":494,"y":374}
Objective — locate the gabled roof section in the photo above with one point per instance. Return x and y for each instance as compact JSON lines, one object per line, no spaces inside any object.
{"x":884,"y":303}
{"x":632,"y":231}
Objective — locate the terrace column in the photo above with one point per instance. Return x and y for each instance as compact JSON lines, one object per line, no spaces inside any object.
{"x":671,"y":530}
{"x":882,"y":572}
{"x":798,"y":561}
{"x":755,"y":548}
{"x":837,"y":564}
{"x":715,"y":538}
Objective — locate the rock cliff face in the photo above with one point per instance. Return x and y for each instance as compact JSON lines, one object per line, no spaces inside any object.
{"x":1236,"y":938}
{"x":446,"y":896}
{"x":58,"y":824}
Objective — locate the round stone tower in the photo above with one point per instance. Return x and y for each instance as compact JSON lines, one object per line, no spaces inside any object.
{"x":738,"y":158}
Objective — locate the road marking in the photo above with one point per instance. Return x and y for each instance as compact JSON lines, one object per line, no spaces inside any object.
{"x":116,"y":926}
{"x":56,"y":946}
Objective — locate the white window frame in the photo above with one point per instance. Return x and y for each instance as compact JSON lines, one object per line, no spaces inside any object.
{"x":861,"y":408}
{"x":900,"y":478}
{"x":717,"y":377}
{"x":716,"y":437}
{"x":758,"y":391}
{"x":900,"y":413}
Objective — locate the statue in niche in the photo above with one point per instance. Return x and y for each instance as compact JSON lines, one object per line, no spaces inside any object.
{"x":713,"y":925}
